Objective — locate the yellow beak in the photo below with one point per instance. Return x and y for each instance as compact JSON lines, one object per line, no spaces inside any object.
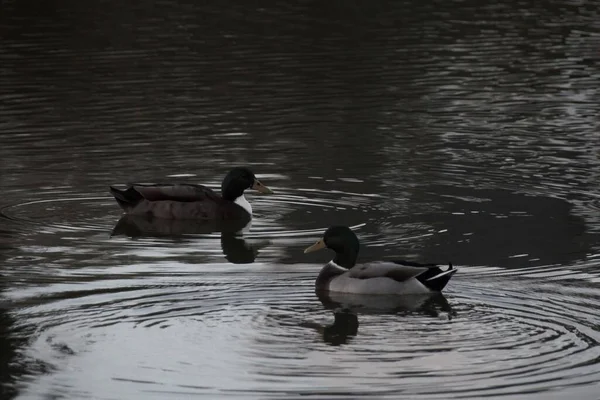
{"x":317,"y":246}
{"x":260,"y":187}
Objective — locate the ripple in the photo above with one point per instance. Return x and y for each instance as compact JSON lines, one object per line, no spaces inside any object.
{"x":91,"y":213}
{"x":254,"y":333}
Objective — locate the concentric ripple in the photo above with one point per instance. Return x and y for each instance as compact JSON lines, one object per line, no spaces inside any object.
{"x":113,"y":316}
{"x":96,"y":213}
{"x":264,"y":334}
{"x":82,"y":217}
{"x":78,"y":219}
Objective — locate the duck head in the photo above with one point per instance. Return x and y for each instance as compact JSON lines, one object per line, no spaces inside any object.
{"x":343,"y":241}
{"x":238,"y":180}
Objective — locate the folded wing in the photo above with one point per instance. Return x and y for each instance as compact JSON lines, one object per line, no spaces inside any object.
{"x":386,"y":269}
{"x":177,"y":192}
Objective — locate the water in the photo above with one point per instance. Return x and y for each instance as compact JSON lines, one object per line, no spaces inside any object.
{"x":441,"y":131}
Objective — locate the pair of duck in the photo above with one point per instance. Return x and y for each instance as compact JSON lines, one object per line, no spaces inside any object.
{"x":342,"y":274}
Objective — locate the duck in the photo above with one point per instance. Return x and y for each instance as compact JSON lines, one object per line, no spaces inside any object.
{"x":397,"y":277}
{"x":192,"y":201}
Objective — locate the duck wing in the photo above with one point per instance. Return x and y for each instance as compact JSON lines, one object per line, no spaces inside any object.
{"x":177,"y":192}
{"x":386,"y":269}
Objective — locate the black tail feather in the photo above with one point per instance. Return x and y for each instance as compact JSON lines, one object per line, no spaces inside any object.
{"x":435,"y":278}
{"x":127,"y":198}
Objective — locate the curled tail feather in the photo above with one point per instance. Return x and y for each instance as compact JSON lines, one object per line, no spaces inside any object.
{"x":435,"y":278}
{"x":127,"y":198}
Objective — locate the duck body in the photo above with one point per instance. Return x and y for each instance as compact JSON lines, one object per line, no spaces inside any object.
{"x":189,"y":201}
{"x":382,"y":277}
{"x":178,"y":201}
{"x":398,"y":277}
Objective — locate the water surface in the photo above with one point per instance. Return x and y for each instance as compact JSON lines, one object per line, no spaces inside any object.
{"x":441,"y":131}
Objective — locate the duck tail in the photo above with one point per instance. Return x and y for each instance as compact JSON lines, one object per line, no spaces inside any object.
{"x":435,"y":279}
{"x":127,"y":198}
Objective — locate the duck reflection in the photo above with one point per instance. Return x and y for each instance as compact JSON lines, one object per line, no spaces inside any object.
{"x":433,"y":305}
{"x":344,"y":328}
{"x":236,"y":249}
{"x":347,"y":307}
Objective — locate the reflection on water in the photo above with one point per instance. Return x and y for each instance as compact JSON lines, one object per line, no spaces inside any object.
{"x":236,"y":249}
{"x":439,"y":130}
{"x":370,"y":304}
{"x":133,"y":225}
{"x":346,"y":308}
{"x":344,"y":328}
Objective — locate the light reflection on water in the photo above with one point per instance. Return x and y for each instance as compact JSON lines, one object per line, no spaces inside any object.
{"x":222,"y":329}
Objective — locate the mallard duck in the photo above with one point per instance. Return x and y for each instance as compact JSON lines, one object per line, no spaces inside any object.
{"x":381,"y":277}
{"x":189,"y":201}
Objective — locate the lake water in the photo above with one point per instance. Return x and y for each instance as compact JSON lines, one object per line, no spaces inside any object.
{"x":442,"y":131}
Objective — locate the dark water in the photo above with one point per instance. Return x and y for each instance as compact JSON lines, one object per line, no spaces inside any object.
{"x":442,"y":130}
